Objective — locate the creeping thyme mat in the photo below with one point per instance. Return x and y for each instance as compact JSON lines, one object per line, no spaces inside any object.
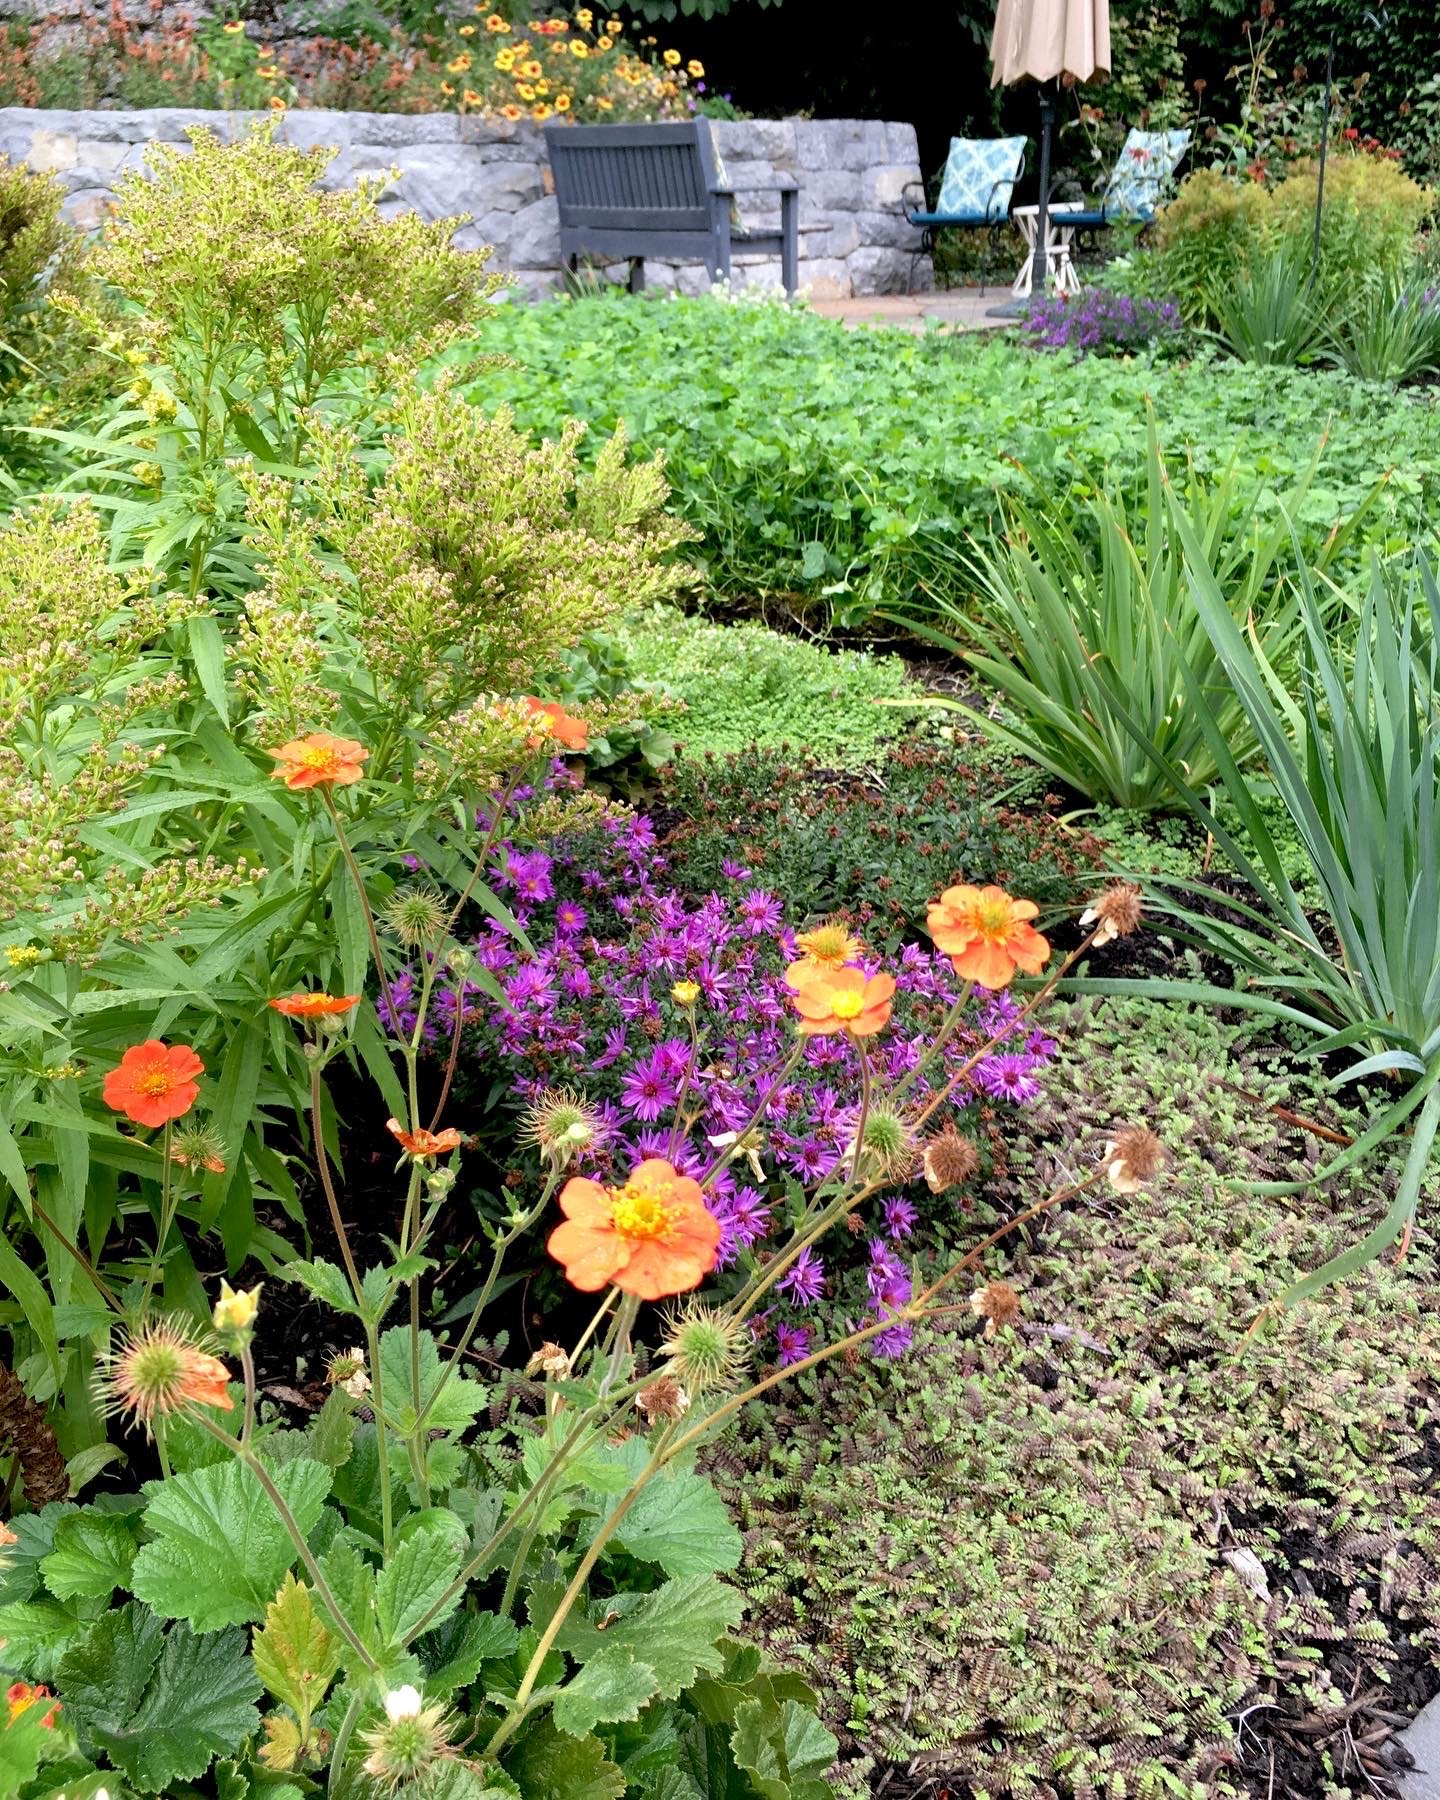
{"x":1117,"y":1547}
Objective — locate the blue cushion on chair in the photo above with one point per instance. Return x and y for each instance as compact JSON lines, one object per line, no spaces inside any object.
{"x":1142,"y":173}
{"x":979,"y":179}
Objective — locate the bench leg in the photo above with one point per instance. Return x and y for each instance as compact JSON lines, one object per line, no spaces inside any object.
{"x":790,"y":239}
{"x":637,"y":274}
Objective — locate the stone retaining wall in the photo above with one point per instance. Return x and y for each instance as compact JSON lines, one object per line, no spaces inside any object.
{"x":853,"y":239}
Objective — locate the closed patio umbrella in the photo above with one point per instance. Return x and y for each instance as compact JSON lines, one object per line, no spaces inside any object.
{"x":1044,"y":41}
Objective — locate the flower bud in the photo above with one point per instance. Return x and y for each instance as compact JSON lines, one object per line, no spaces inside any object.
{"x":235,"y":1310}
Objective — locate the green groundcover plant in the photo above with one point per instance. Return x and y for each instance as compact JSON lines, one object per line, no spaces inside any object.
{"x":845,"y":469}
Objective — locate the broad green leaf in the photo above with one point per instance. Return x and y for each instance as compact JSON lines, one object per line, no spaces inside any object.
{"x":454,"y":1651}
{"x":352,"y":1581}
{"x":207,"y":651}
{"x":549,"y":1765}
{"x":417,"y":1572}
{"x":614,"y":1684}
{"x":332,"y":1431}
{"x":680,"y":1522}
{"x":458,"y":1403}
{"x":91,"y":1558}
{"x":21,"y":1281}
{"x":676,"y":1628}
{"x":103,"y":1678}
{"x":220,"y":1550}
{"x":34,"y":1634}
{"x":784,"y":1755}
{"x":22,"y":1745}
{"x":295,"y":1655}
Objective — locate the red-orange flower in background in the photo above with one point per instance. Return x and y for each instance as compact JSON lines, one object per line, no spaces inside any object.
{"x":319,"y":760}
{"x":574,"y":734}
{"x":987,"y":935}
{"x":831,"y":1000}
{"x":421,"y":1144}
{"x":314,"y":1006}
{"x":20,"y":1696}
{"x":155,"y":1082}
{"x":653,"y":1237}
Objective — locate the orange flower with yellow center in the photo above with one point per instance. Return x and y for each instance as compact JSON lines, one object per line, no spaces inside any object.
{"x":422,"y":1144}
{"x":574,"y":734}
{"x":987,"y":935}
{"x":832,"y":1000}
{"x":826,"y":947}
{"x":495,"y":23}
{"x":155,"y":1083}
{"x":512,"y":111}
{"x":20,"y":1696}
{"x":653,"y":1237}
{"x":457,"y":65}
{"x":314,"y":1006}
{"x":318,"y":760}
{"x":159,"y":1370}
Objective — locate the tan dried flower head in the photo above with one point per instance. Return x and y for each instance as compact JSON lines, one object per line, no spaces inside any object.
{"x":347,"y":1371}
{"x":665,"y":1398}
{"x":1131,"y":1158}
{"x":997,"y":1304}
{"x":549,"y":1359}
{"x":1115,"y":913}
{"x":949,"y":1160}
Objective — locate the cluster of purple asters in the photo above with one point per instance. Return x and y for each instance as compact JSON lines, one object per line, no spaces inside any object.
{"x":592,"y":1011}
{"x":1100,"y":322}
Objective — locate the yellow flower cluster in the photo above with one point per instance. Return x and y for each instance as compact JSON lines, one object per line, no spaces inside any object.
{"x":580,"y":66}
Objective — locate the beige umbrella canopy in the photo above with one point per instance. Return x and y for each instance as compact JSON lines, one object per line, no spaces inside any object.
{"x":1045,"y":41}
{"x":1041,"y":40}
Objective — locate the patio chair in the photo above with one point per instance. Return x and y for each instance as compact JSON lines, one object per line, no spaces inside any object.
{"x":1137,"y":184}
{"x":976,"y":186}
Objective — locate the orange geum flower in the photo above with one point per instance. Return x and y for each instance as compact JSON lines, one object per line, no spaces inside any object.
{"x":20,"y":1696}
{"x":318,"y":760}
{"x":154,"y":1083}
{"x":314,"y":1006}
{"x":987,"y":935}
{"x":842,"y":1000}
{"x":422,"y":1144}
{"x":653,"y":1237}
{"x":574,"y":734}
{"x":826,"y":947}
{"x":495,"y":23}
{"x":159,"y":1371}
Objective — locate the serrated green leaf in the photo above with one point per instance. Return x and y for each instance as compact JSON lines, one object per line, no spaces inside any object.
{"x":352,"y":1581}
{"x":326,"y":1282}
{"x":332,"y":1431}
{"x":454,"y":1651}
{"x":417,"y":1572}
{"x":549,"y":1765}
{"x":677,"y":1629}
{"x":680,"y":1522}
{"x":34,"y":1634}
{"x":613,"y":1685}
{"x":22,"y":1745}
{"x":295,"y":1655}
{"x":220,"y":1550}
{"x":92,"y":1556}
{"x":783,"y":1755}
{"x":199,"y":1704}
{"x":103,"y":1678}
{"x":458,"y":1403}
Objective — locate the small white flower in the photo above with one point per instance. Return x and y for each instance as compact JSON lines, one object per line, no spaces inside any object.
{"x":402,"y":1703}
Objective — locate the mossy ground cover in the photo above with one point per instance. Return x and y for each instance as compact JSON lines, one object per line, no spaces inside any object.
{"x":1127,"y":1546}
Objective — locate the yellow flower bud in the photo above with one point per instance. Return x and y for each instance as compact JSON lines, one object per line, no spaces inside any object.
{"x":235,"y":1311}
{"x":685,"y":993}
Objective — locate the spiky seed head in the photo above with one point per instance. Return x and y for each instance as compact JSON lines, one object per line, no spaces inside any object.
{"x":1115,"y":913}
{"x":949,"y":1160}
{"x":417,"y":915}
{"x":1131,"y":1157}
{"x":561,"y":1123}
{"x":706,"y":1348}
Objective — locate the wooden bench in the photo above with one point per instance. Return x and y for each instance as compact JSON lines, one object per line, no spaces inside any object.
{"x":632,"y":191}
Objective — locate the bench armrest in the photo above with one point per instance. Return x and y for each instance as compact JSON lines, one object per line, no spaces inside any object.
{"x":782,"y":184}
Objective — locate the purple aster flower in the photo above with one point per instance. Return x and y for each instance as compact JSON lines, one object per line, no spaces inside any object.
{"x":900,"y":1217}
{"x":748,"y":1215}
{"x":649,"y":1090}
{"x":1009,"y":1078}
{"x":760,"y":912}
{"x":804,"y":1281}
{"x":614,"y":1049}
{"x":895,"y":1341}
{"x":570,"y":918}
{"x":734,"y":871}
{"x":792,"y":1342}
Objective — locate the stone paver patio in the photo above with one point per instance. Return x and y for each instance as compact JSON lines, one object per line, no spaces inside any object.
{"x":956,"y":309}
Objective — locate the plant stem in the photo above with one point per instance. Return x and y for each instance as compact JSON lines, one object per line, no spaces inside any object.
{"x":359,"y":880}
{"x":247,"y":1369}
{"x":342,"y":1740}
{"x":166,"y":1182}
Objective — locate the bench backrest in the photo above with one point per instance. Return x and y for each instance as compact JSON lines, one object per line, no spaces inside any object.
{"x":625,"y":177}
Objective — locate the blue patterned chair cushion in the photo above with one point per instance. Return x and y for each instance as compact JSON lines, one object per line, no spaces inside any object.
{"x":980,"y":176}
{"x":1143,"y":171}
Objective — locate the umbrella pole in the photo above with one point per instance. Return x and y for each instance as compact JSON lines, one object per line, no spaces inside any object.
{"x":1018,"y":307}
{"x":1039,"y":268}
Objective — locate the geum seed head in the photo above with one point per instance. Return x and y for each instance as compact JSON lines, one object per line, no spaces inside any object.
{"x":159,"y":1370}
{"x":707,"y":1350}
{"x":417,"y":915}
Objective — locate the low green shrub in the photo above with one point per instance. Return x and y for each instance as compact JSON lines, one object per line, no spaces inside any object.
{"x":843,"y":469}
{"x":745,"y":684}
{"x":874,"y":846}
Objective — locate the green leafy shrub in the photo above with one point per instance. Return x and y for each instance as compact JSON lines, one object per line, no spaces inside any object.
{"x":874,"y":846}
{"x":1391,"y":334}
{"x":801,"y":451}
{"x":1265,"y":311}
{"x":744,"y":685}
